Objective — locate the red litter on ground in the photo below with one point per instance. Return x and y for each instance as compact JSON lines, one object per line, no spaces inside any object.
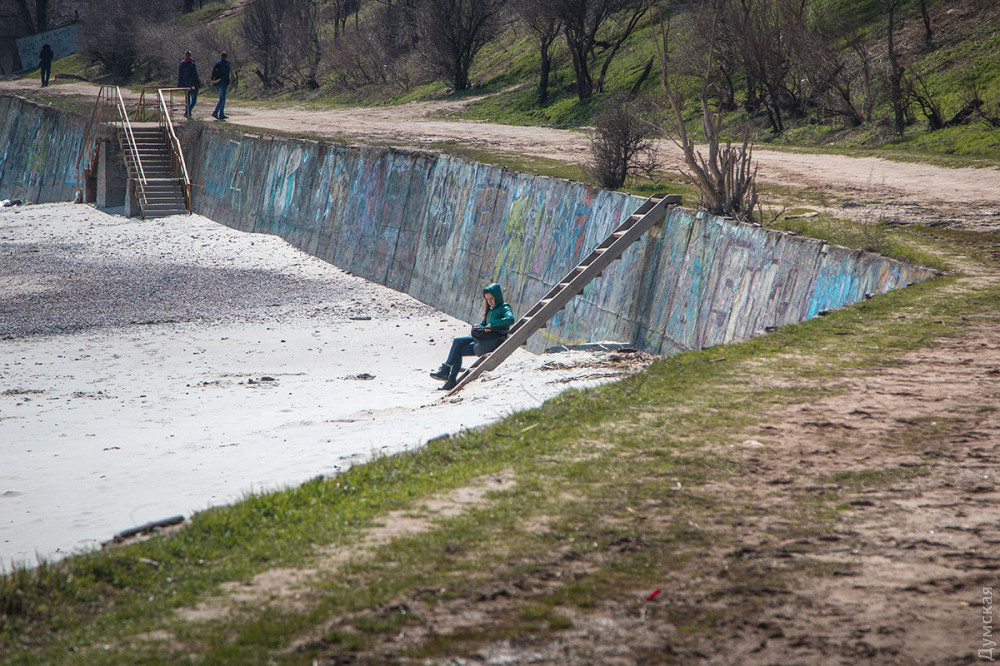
{"x":652,"y":595}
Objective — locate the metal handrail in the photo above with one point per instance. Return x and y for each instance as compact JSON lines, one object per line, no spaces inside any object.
{"x":97,"y":118}
{"x":142,"y":111}
{"x":109,"y":97}
{"x":133,"y":148}
{"x":176,"y":152}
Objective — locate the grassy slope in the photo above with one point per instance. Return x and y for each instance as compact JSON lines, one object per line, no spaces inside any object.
{"x":599,"y":452}
{"x":584,"y":454}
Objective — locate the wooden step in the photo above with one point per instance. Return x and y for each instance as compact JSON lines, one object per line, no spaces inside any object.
{"x":651,"y":212}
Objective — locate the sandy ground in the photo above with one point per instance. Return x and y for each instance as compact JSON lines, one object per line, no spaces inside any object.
{"x":899,"y":580}
{"x":155,"y":368}
{"x":885,"y":190}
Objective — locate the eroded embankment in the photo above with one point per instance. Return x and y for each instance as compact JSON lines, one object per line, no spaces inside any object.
{"x":439,"y":228}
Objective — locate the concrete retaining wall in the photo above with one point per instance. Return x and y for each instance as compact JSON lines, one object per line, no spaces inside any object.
{"x":38,"y":150}
{"x":439,"y":228}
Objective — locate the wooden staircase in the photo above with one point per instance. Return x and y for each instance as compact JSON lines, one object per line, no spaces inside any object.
{"x":651,"y":212}
{"x":162,"y":193}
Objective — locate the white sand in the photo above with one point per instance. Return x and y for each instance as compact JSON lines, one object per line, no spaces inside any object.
{"x":111,"y":420}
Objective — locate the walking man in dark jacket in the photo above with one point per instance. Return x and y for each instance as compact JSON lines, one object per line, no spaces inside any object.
{"x":45,"y":63}
{"x":187,"y":77}
{"x":220,"y":79}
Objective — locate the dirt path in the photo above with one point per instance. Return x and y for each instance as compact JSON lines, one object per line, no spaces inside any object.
{"x":890,"y":190}
{"x":907,"y":452}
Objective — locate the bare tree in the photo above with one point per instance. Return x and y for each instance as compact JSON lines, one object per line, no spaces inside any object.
{"x":34,"y":21}
{"x":763,"y":35}
{"x":342,"y":10}
{"x":261,"y":31}
{"x":545,"y":25}
{"x":453,"y":31}
{"x":896,"y":69}
{"x":583,"y":21}
{"x":862,"y":63}
{"x":111,"y":33}
{"x":281,"y":36}
{"x":621,"y":143}
{"x":727,"y":177}
{"x":928,"y":32}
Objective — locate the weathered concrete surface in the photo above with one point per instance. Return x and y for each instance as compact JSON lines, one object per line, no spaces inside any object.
{"x":439,"y":228}
{"x":38,"y":150}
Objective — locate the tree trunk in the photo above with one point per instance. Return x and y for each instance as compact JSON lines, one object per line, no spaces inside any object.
{"x":895,"y":73}
{"x":42,"y":15}
{"x":29,"y":23}
{"x":928,"y":32}
{"x":543,"y":76}
{"x":584,"y":83}
{"x":461,"y":78}
{"x":642,"y":79}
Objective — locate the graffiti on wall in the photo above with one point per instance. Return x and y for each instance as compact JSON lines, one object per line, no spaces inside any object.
{"x":440,"y":228}
{"x":62,"y":40}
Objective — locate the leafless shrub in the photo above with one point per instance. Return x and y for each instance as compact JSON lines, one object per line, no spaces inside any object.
{"x":374,"y":53}
{"x":281,"y":37}
{"x":622,"y":143}
{"x":727,"y":177}
{"x":160,"y":46}
{"x":108,"y":36}
{"x":915,"y":88}
{"x":356,"y":60}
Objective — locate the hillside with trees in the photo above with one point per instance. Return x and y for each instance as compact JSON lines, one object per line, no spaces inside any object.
{"x":865,"y":71}
{"x":918,"y":75}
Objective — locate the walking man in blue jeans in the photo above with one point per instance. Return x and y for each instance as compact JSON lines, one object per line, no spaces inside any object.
{"x":220,"y":79}
{"x":187,"y":77}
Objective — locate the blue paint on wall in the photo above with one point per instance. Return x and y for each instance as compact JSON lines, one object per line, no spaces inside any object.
{"x":439,"y":228}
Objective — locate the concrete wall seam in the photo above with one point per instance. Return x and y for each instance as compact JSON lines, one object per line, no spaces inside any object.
{"x":440,"y":228}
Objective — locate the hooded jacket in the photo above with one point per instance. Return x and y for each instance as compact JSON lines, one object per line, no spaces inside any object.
{"x":187,"y":74}
{"x":500,"y":316}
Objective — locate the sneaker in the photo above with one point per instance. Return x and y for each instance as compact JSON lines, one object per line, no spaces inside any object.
{"x":215,"y":115}
{"x":448,"y":385}
{"x":443,"y":373}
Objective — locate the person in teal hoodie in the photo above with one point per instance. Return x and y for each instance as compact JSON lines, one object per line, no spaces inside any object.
{"x":498,"y":317}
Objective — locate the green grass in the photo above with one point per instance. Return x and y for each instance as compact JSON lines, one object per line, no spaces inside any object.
{"x":505,"y":71}
{"x":589,"y":461}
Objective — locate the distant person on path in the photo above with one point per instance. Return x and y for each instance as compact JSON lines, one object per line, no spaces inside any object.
{"x":45,"y":63}
{"x":220,"y":79}
{"x":187,"y":77}
{"x":498,"y":317}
